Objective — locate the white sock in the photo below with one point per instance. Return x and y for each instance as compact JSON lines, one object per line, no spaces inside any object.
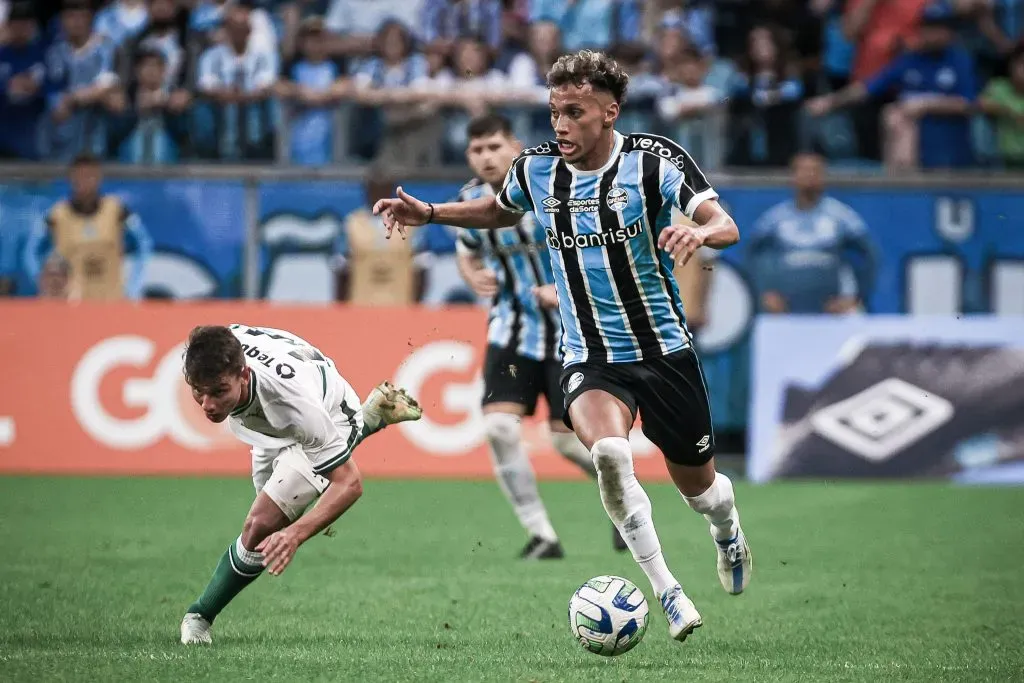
{"x":515,"y":474}
{"x":629,"y":508}
{"x":250,"y":560}
{"x":572,"y":449}
{"x":718,"y":505}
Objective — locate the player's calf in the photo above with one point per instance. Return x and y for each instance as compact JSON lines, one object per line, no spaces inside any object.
{"x":292,"y":486}
{"x":629,"y":508}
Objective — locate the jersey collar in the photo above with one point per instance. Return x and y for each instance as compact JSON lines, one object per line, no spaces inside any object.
{"x":250,"y":399}
{"x":616,"y":150}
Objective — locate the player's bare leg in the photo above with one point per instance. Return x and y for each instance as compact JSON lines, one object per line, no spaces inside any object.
{"x":572,"y":449}
{"x":602,"y":423}
{"x":514,"y":472}
{"x":710,"y":493}
{"x":239,"y":566}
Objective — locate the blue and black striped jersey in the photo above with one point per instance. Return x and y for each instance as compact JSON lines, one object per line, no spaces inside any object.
{"x":519,"y":258}
{"x":618,"y":299}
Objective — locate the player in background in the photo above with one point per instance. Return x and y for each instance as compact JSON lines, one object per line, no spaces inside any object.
{"x":605,"y":202}
{"x":286,"y":400}
{"x":512,"y":267}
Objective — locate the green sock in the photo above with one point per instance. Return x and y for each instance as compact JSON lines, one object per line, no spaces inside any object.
{"x":233,"y":573}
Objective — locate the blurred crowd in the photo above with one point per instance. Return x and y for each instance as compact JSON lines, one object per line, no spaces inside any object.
{"x":900,"y":84}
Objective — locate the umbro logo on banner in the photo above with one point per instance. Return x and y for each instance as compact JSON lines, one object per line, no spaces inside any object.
{"x":883,"y":419}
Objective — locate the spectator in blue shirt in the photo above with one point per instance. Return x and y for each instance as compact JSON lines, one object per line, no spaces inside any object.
{"x":446,"y":21}
{"x":80,"y":76}
{"x":313,"y":85}
{"x":122,"y":20}
{"x":597,"y":24}
{"x":929,"y":124}
{"x":393,"y":88}
{"x":236,"y":79}
{"x":22,"y":80}
{"x":764,"y":96}
{"x":149,"y":126}
{"x":811,"y":254}
{"x":162,"y":34}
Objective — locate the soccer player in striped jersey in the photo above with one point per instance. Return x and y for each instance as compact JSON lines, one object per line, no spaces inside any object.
{"x":605,"y":202}
{"x":285,"y":399}
{"x":523,"y":362}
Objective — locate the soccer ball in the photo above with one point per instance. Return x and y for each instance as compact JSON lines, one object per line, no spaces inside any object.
{"x":608,"y":615}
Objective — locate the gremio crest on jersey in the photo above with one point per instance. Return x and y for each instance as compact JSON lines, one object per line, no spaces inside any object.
{"x":617,"y":198}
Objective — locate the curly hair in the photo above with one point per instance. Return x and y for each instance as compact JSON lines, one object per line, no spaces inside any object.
{"x":212,"y":352}
{"x":587,"y":66}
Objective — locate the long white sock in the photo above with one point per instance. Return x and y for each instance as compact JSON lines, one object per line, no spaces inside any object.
{"x":572,"y":449}
{"x":515,"y":474}
{"x":718,"y":505}
{"x":629,"y":508}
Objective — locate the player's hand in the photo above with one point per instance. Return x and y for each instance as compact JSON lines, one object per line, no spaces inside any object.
{"x":278,"y":549}
{"x":401,"y":212}
{"x":484,"y":282}
{"x":682,"y":241}
{"x":547,"y":296}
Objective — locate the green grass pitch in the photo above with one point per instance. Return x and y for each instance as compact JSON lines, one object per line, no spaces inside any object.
{"x":852,"y":582}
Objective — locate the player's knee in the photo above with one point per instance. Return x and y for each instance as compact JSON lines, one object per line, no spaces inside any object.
{"x":503,"y":428}
{"x":256,"y":528}
{"x":612,"y":457}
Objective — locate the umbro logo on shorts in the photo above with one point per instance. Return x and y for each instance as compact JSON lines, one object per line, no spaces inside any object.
{"x":575,"y":380}
{"x":704,"y":443}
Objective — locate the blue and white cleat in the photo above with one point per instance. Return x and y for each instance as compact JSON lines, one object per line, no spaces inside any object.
{"x":682,"y":616}
{"x":735,"y":563}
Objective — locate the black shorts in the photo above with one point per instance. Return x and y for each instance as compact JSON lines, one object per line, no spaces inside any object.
{"x":670,"y":394}
{"x":512,"y":378}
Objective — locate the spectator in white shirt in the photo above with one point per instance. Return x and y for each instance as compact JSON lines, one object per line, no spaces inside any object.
{"x":475,"y":87}
{"x":356,"y":23}
{"x":238,"y":77}
{"x":688,"y":109}
{"x":689,"y":96}
{"x":527,"y":72}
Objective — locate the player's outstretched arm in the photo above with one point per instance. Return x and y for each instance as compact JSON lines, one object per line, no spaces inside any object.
{"x":346,"y":488}
{"x":719,"y":228}
{"x":712,"y":226}
{"x":405,"y":211}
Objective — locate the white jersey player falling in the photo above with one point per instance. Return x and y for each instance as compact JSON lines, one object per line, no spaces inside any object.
{"x":296,"y":397}
{"x":302,"y":420}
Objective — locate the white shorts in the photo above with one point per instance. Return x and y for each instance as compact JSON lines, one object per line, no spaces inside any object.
{"x":286,"y":475}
